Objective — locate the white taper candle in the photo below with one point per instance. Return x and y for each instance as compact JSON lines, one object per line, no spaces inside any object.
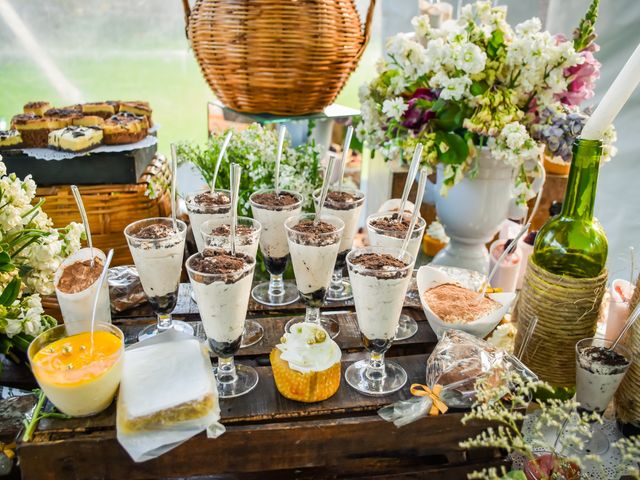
{"x":615,"y":98}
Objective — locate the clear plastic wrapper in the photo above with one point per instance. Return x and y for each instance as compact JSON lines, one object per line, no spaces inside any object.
{"x":457,"y":361}
{"x":167,"y":395}
{"x":125,"y":288}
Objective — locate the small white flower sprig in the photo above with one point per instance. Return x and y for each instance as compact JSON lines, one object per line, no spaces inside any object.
{"x":31,"y":251}
{"x":476,"y":82}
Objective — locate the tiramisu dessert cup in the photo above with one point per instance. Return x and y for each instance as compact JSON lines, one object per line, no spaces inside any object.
{"x":76,"y":288}
{"x":314,"y":247}
{"x":157,"y":249}
{"x":222,"y":286}
{"x":379,"y":277}
{"x":78,"y":373}
{"x":271,"y":209}
{"x":386,"y":229}
{"x":599,"y":371}
{"x":345,"y":204}
{"x":247,"y":240}
{"x":203,"y":207}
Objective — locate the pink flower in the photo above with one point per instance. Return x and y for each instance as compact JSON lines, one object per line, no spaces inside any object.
{"x":582,"y":79}
{"x":416,"y":117}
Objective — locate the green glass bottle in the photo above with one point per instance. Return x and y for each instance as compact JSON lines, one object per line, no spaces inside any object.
{"x":574,"y":243}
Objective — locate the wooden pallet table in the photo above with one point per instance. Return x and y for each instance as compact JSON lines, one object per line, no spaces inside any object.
{"x":270,"y":437}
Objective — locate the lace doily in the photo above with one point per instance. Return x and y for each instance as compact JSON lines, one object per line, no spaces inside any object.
{"x":611,"y":459}
{"x":49,"y":154}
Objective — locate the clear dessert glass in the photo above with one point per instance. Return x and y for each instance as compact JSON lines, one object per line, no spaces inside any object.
{"x":79,"y":390}
{"x":77,"y":306}
{"x":159,"y":265}
{"x":313,"y":252}
{"x":274,"y":247}
{"x":378,"y":294}
{"x":388,"y":237}
{"x":348,"y":210}
{"x":222,"y":300}
{"x":599,"y":371}
{"x":248,"y":230}
{"x":202,"y":207}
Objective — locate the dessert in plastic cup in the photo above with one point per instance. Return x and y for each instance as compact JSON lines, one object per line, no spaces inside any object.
{"x":380,"y":277}
{"x":247,"y":239}
{"x":345,"y":204}
{"x":222,"y":286}
{"x":76,"y":288}
{"x":203,"y":206}
{"x":506,"y":276}
{"x":271,"y":209}
{"x":157,"y":250}
{"x":386,"y":229}
{"x":314,"y":247}
{"x":306,"y":364}
{"x":79,"y":381}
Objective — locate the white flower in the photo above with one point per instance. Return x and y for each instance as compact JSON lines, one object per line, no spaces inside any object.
{"x":13,"y":327}
{"x":397,"y":85}
{"x":453,"y":88}
{"x":529,"y":27}
{"x":421,"y":25}
{"x":471,"y":59}
{"x":3,"y":168}
{"x":394,"y":108}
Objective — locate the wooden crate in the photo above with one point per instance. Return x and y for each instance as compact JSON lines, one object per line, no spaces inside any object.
{"x":270,"y":437}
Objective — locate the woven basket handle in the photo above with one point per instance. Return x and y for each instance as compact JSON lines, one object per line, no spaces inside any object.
{"x":187,"y":15}
{"x":367,"y":27}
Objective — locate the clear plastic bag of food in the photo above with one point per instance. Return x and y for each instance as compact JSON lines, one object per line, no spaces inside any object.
{"x":167,"y":395}
{"x":457,"y":361}
{"x":125,"y":288}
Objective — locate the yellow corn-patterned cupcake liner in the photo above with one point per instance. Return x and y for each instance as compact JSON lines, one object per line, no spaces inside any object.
{"x":304,"y":387}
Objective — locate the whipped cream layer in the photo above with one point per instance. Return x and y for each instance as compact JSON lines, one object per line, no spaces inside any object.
{"x":309,"y":348}
{"x":273,"y":239}
{"x":436,"y":231}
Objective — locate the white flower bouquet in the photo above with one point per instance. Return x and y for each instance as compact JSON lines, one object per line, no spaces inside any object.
{"x":31,"y":251}
{"x":477,"y":82}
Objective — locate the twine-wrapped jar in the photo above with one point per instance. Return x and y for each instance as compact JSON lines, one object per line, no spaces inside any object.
{"x":567,"y":310}
{"x":627,"y":398}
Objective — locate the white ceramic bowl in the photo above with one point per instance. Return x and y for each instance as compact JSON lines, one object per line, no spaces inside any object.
{"x":429,"y":277}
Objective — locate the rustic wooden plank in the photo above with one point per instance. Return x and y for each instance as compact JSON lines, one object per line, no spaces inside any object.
{"x":347,"y":444}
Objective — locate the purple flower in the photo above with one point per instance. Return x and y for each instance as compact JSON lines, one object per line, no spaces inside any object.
{"x":416,"y":117}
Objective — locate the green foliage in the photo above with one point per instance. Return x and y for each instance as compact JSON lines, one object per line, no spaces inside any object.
{"x":584,"y":35}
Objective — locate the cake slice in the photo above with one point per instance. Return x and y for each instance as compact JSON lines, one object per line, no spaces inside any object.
{"x":75,"y":139}
{"x":137,"y":108}
{"x":10,"y":139}
{"x":36,"y":108}
{"x":101,"y":109}
{"x":124,"y":128}
{"x":33,"y":129}
{"x":88,"y":121}
{"x":62,"y":117}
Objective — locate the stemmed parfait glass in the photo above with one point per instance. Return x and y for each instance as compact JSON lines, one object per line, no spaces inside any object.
{"x":157,"y":248}
{"x":379,"y":277}
{"x":314,"y":241}
{"x":248,"y":230}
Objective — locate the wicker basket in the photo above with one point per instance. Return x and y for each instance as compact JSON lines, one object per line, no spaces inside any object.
{"x":111,"y":208}
{"x":284,"y":57}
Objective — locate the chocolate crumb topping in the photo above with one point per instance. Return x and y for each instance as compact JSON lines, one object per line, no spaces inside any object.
{"x":318,"y":234}
{"x":220,"y":262}
{"x":79,"y":276}
{"x":272,"y":201}
{"x":387,"y":266}
{"x":455,"y":304}
{"x":337,"y":200}
{"x":391,"y":224}
{"x":206,"y":199}
{"x":35,"y":104}
{"x":603,"y":356}
{"x":307,"y":226}
{"x":225,"y":230}
{"x":23,"y":118}
{"x":61,"y":113}
{"x":154,"y":231}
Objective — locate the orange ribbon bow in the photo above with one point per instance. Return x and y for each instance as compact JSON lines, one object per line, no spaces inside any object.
{"x":8,"y":449}
{"x":420,"y":390}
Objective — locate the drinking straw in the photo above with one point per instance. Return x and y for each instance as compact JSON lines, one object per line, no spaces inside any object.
{"x":223,"y":150}
{"x":411,"y":176}
{"x":236,"y":172}
{"x":174,"y":183}
{"x":282,"y":130}
{"x":507,"y":251}
{"x":422,"y":183}
{"x":345,"y":155}
{"x":630,"y":321}
{"x":633,"y":263}
{"x":103,"y":276}
{"x":527,"y":336}
{"x":83,"y":214}
{"x":325,"y":186}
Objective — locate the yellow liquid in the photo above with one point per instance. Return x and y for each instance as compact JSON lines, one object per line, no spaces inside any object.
{"x":70,"y":361}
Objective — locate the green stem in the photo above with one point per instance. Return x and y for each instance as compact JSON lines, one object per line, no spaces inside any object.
{"x":35,"y":418}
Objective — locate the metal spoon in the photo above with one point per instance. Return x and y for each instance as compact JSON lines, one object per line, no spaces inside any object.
{"x":282,"y":130}
{"x":422,"y":183}
{"x":85,"y":220}
{"x":411,"y":176}
{"x":236,"y":173}
{"x":101,"y":280}
{"x":223,"y":150}
{"x":325,"y":187}
{"x":630,"y":321}
{"x":345,"y":155}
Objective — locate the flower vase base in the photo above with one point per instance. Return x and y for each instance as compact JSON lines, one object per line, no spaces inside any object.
{"x":472,"y":256}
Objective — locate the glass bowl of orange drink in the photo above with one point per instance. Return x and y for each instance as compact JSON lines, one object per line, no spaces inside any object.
{"x":78,"y":374}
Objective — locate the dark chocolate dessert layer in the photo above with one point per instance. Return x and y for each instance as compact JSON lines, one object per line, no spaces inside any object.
{"x":79,"y":276}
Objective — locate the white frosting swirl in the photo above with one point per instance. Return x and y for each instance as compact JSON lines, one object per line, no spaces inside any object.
{"x":436,"y":230}
{"x":309,"y":348}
